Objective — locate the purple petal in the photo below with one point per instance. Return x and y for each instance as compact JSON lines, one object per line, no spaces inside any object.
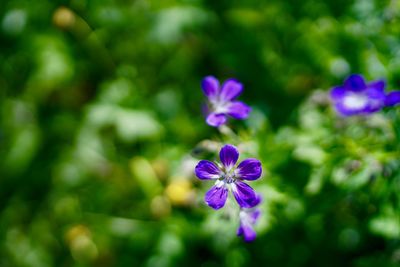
{"x":230,"y":89}
{"x":238,"y":110}
{"x":392,"y":99}
{"x":338,"y":93}
{"x":216,"y":196}
{"x":355,"y":82}
{"x":372,"y":108}
{"x":210,"y":86}
{"x":376,"y":99}
{"x":254,"y":215}
{"x":375,"y":93}
{"x":207,"y":170}
{"x":214,"y":119}
{"x":344,"y":111}
{"x":229,"y":156}
{"x":248,"y":233}
{"x":249,"y":169}
{"x":258,"y":200}
{"x":240,"y":230}
{"x":378,"y":85}
{"x":245,"y":195}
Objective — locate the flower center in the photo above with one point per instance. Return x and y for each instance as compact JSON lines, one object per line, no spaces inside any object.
{"x":355,"y":101}
{"x":229,"y":176}
{"x":219,"y":106}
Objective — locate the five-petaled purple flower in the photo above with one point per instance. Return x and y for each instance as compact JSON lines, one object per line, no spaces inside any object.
{"x":228,"y":176}
{"x":221,"y":101}
{"x":248,"y":218}
{"x":356,"y":97}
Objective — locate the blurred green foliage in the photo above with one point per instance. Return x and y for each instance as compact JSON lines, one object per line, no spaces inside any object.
{"x":101,"y":127}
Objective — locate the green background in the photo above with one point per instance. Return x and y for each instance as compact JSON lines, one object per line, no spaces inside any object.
{"x":101,"y":127}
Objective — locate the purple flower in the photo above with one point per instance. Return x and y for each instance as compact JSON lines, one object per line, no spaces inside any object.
{"x":228,"y":176}
{"x":356,"y":97}
{"x":221,"y":101}
{"x":248,"y":218}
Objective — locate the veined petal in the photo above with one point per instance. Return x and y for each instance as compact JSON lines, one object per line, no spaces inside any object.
{"x":392,"y":99}
{"x":231,"y":89}
{"x":216,"y":196}
{"x":214,"y":119}
{"x":238,"y":110}
{"x":229,"y":156}
{"x":249,"y":169}
{"x":245,"y":196}
{"x":355,"y":82}
{"x":210,"y":86}
{"x":247,"y":231}
{"x":338,"y":93}
{"x":207,"y":170}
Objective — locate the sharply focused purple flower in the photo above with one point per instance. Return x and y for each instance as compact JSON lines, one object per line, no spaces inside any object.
{"x":248,"y":218}
{"x":356,"y":97}
{"x":221,"y":101}
{"x":228,"y":176}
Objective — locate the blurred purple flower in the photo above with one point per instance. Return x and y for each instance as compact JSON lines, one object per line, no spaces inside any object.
{"x":229,"y":176}
{"x":221,"y":101}
{"x":356,"y":97}
{"x":248,"y":218}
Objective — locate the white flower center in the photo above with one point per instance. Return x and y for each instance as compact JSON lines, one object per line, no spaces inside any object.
{"x":229,"y":177}
{"x":355,"y":101}
{"x":219,"y":106}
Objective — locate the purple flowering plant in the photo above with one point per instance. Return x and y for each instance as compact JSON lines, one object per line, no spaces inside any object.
{"x":357,"y":97}
{"x":228,"y":174}
{"x":222,"y":101}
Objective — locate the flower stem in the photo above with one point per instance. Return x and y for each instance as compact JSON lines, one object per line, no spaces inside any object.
{"x":227,"y":131}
